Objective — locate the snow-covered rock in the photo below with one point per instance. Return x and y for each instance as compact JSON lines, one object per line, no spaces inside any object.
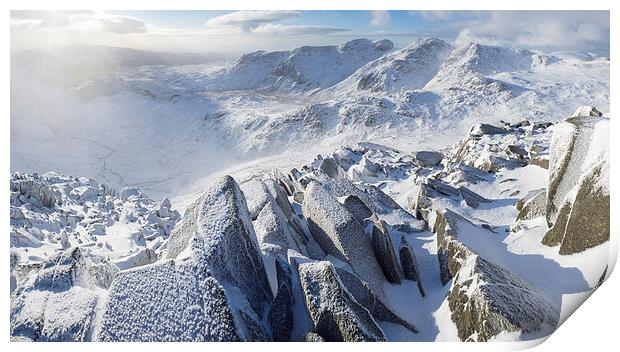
{"x":428,"y":158}
{"x":384,"y":252}
{"x":409,"y":263}
{"x":217,"y":229}
{"x":58,"y":299}
{"x":339,"y":234}
{"x":578,"y":194}
{"x":485,"y":299}
{"x":335,"y":314}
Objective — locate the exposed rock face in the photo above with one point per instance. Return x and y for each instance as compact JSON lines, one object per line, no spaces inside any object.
{"x":364,"y":296}
{"x":587,"y":111}
{"x":410,"y":264}
{"x":168,"y":301}
{"x":578,"y":195}
{"x":212,"y":250}
{"x":312,"y":337}
{"x":384,"y":252}
{"x":218,"y":229}
{"x":335,"y":314}
{"x":331,"y":168}
{"x":57,"y":299}
{"x":486,"y":299}
{"x":339,"y":234}
{"x":481,"y":129}
{"x":281,"y":311}
{"x":428,"y":158}
{"x":432,"y":189}
{"x":358,"y":208}
{"x":532,"y":205}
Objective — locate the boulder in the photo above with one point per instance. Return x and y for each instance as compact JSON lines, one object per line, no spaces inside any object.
{"x":329,"y":167}
{"x":312,"y":337}
{"x":384,"y":252}
{"x":364,"y":296}
{"x":256,"y":195}
{"x":480,"y":129}
{"x":428,"y":158}
{"x":280,"y":315}
{"x":168,"y":301}
{"x":218,"y":231}
{"x":335,"y":314}
{"x":587,"y":111}
{"x":532,"y":205}
{"x":577,"y":207}
{"x":339,"y":234}
{"x":410,"y":264}
{"x":485,"y":299}
{"x":358,"y":208}
{"x":57,"y":299}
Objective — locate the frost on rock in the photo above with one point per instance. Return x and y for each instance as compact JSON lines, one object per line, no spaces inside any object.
{"x":486,"y":299}
{"x":57,"y":299}
{"x":335,"y":314}
{"x":281,"y":311}
{"x":339,"y":234}
{"x":578,"y":195}
{"x":533,"y":205}
{"x":409,"y":263}
{"x":217,"y":230}
{"x":364,"y":296}
{"x":384,"y":252}
{"x":168,"y":301}
{"x":428,"y":158}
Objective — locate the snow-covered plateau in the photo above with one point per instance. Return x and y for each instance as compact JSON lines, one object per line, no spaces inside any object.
{"x":357,"y":192}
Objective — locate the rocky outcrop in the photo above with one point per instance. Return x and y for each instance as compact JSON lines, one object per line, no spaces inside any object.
{"x":432,"y":189}
{"x":57,"y":299}
{"x":168,"y":301}
{"x":335,"y":314}
{"x":358,"y":208}
{"x":409,"y":264}
{"x":280,"y":314}
{"x":428,"y":158}
{"x":486,"y":299}
{"x":339,"y":234}
{"x":481,"y":129}
{"x":577,"y":207}
{"x":364,"y":296}
{"x":384,"y":252}
{"x":533,"y":205}
{"x":213,"y":249}
{"x":217,"y":229}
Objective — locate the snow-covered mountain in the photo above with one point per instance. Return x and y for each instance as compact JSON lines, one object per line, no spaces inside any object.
{"x":302,"y":69}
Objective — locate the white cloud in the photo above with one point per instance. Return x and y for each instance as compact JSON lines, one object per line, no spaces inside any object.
{"x":278,"y":29}
{"x":544,"y":30}
{"x":77,"y":21}
{"x":248,"y":21}
{"x":380,"y":18}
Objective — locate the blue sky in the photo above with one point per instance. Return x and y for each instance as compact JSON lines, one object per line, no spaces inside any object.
{"x":244,"y":31}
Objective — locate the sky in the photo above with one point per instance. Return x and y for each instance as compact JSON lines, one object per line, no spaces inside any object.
{"x":244,"y":31}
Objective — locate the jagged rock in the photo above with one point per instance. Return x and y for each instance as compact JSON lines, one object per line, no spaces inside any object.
{"x":480,"y":129}
{"x":256,"y":195}
{"x":339,"y":234}
{"x":56,"y":300}
{"x":532,"y":205}
{"x":128,"y":192}
{"x":168,"y":301}
{"x":331,"y":168}
{"x":384,"y":252}
{"x":542,"y":162}
{"x":217,"y":230}
{"x":279,"y":195}
{"x":272,"y":230}
{"x":428,"y":158}
{"x":517,"y":150}
{"x":281,"y":311}
{"x":335,"y":314}
{"x":578,"y":195}
{"x":364,"y":296}
{"x":486,"y":299}
{"x":410,"y":264}
{"x":432,"y":189}
{"x":358,"y":208}
{"x":312,"y":337}
{"x":587,"y":111}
